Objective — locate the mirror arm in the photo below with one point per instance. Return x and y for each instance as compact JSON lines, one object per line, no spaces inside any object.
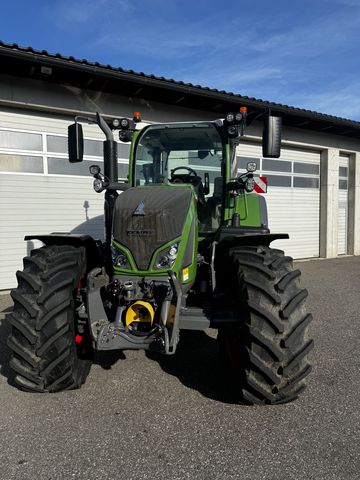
{"x":80,"y":119}
{"x":104,"y":127}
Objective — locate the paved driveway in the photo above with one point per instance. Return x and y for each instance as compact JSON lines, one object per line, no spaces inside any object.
{"x":141,"y":418}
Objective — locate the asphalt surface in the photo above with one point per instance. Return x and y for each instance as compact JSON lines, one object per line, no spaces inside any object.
{"x":168,"y":418}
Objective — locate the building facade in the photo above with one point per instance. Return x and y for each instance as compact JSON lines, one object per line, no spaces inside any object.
{"x":314,"y":188}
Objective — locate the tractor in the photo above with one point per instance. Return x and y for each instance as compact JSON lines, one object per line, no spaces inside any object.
{"x":187,"y":247}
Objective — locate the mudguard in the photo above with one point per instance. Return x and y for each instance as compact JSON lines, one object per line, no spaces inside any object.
{"x":94,"y":248}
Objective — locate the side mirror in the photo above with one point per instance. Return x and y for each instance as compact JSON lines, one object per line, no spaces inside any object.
{"x":75,"y":143}
{"x":271,"y":142}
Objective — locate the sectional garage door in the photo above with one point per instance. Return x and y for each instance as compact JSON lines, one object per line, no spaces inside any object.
{"x":40,"y":191}
{"x":293,"y":197}
{"x":343,"y":204}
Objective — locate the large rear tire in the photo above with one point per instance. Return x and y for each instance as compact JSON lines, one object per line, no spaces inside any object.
{"x":45,"y":356}
{"x":265,"y":352}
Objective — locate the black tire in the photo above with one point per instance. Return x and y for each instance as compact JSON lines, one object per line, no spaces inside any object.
{"x":265,"y":353}
{"x":45,"y":356}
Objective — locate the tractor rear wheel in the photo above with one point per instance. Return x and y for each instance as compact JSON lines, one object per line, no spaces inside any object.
{"x":265,"y":352}
{"x":45,"y":355}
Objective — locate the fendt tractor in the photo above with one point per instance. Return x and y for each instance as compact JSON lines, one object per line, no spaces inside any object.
{"x":186,"y":248}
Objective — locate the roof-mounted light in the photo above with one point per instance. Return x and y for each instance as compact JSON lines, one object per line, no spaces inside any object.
{"x":124,"y":123}
{"x":229,"y":117}
{"x":137,"y":117}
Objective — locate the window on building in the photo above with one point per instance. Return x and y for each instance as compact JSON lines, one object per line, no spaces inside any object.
{"x":343,"y":184}
{"x":278,"y":181}
{"x":308,"y":168}
{"x":21,"y":163}
{"x":20,"y":140}
{"x":62,"y":166}
{"x":306,"y":182}
{"x":57,"y":144}
{"x":276,"y":165}
{"x":124,"y":150}
{"x":343,"y":172}
{"x":94,"y":148}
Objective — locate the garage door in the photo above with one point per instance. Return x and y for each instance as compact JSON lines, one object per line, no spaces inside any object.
{"x":293,"y":197}
{"x":343,"y":204}
{"x":40,"y":191}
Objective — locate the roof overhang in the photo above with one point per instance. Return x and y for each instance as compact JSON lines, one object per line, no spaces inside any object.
{"x":30,"y":63}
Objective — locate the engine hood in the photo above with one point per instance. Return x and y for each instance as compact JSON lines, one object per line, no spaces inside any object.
{"x":147,"y":217}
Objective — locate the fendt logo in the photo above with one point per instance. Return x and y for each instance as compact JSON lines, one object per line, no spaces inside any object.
{"x":139,"y":210}
{"x":141,"y":233}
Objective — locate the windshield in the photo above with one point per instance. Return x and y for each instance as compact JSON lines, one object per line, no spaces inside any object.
{"x":163,"y":148}
{"x":189,"y":153}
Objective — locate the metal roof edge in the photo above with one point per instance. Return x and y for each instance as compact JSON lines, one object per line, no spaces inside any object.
{"x":71,"y":62}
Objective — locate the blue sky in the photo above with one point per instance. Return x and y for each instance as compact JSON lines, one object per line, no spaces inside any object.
{"x":298,"y":52}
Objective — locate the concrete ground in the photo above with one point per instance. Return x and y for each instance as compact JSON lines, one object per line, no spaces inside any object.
{"x":141,"y":418}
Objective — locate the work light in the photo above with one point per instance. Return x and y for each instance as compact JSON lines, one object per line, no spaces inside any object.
{"x":125,"y":123}
{"x":232,"y":131}
{"x":251,"y":166}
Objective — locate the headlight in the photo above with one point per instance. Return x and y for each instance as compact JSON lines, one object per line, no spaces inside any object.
{"x":119,"y":258}
{"x":167,"y":257}
{"x":249,"y":185}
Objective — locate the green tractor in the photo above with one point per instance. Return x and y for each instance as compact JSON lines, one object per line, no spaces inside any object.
{"x":186,"y":248}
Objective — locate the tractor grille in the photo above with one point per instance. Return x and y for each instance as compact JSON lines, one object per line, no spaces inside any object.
{"x":147,"y":217}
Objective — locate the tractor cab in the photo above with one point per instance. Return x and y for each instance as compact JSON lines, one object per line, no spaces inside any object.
{"x":187,"y":154}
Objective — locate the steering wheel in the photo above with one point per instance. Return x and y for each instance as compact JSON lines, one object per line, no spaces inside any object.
{"x":190,"y":170}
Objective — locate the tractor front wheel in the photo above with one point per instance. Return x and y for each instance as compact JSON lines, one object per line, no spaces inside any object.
{"x":265,"y":352}
{"x":45,"y":354}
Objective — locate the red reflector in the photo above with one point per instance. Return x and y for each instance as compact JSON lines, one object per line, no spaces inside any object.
{"x":79,"y":339}
{"x":260,"y":184}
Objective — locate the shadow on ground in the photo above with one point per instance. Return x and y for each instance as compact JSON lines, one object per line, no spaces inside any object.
{"x":196,"y":365}
{"x":107,"y":360}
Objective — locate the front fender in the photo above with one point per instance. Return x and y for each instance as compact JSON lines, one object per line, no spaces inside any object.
{"x":94,"y":248}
